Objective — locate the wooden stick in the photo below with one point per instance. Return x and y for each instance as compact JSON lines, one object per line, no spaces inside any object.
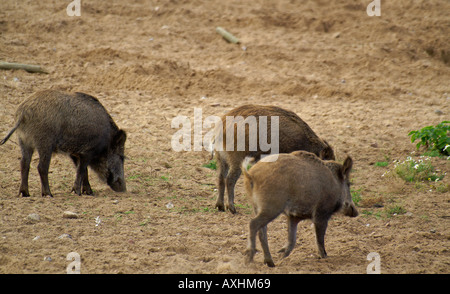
{"x":27,"y":67}
{"x":227,"y":36}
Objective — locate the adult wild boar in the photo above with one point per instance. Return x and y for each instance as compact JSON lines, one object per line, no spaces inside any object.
{"x":293,"y":134}
{"x":302,"y":186}
{"x":75,"y":124}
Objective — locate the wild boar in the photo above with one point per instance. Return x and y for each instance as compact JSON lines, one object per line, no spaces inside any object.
{"x":293,"y":134}
{"x":302,"y":186}
{"x":78,"y":125}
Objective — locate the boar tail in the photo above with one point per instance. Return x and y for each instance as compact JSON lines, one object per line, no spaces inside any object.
{"x":10,"y":132}
{"x":244,"y":166}
{"x":211,"y":146}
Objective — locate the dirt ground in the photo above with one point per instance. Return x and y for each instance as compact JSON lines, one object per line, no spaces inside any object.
{"x":360,"y":82}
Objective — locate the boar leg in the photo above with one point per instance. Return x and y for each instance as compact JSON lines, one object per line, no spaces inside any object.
{"x":231,"y":180}
{"x":43,"y":166}
{"x":27,"y":153}
{"x":86,"y":186}
{"x":265,"y":246}
{"x":223,"y":171}
{"x":321,"y":227}
{"x":82,"y":179}
{"x":259,"y":223}
{"x":292,"y":235}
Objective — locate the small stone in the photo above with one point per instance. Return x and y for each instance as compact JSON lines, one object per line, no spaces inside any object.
{"x":47,"y":258}
{"x":70,"y":214}
{"x":438,"y":112}
{"x":65,"y":236}
{"x":36,"y":238}
{"x":115,"y":201}
{"x":33,"y":217}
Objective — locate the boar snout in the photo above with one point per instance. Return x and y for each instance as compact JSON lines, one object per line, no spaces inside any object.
{"x":349,"y":209}
{"x":118,"y":186}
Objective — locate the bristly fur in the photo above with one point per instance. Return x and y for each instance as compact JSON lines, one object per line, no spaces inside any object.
{"x":78,"y":125}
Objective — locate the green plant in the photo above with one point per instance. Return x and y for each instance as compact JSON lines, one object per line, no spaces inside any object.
{"x":395,"y":210}
{"x":414,"y":171}
{"x":212,"y":164}
{"x":433,"y":138}
{"x":381,"y":163}
{"x":356,"y":195}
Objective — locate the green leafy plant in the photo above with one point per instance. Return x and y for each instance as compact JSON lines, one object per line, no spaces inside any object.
{"x":395,"y":210}
{"x":356,"y":195}
{"x":381,"y":163}
{"x":417,"y":170}
{"x":433,"y":138}
{"x":212,"y":164}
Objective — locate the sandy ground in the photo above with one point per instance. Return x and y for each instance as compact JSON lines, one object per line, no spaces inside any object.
{"x":360,"y":82}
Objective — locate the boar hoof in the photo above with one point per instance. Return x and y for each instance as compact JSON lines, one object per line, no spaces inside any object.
{"x":249,"y":253}
{"x":76,"y":191}
{"x":220,"y":206}
{"x":269,"y":263}
{"x":87,"y":191}
{"x":284,"y":252}
{"x":24,"y":194}
{"x":231,"y":208}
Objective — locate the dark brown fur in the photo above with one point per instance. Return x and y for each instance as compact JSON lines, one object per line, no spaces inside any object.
{"x":294,"y":134}
{"x":302,"y":186}
{"x":76,"y":124}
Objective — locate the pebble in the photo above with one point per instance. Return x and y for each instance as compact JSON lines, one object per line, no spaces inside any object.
{"x":65,"y":236}
{"x":33,"y":217}
{"x":438,"y":112}
{"x":70,"y":214}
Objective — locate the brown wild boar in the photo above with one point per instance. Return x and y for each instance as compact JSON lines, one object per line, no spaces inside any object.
{"x":293,"y":133}
{"x":302,"y":186}
{"x":77,"y":125}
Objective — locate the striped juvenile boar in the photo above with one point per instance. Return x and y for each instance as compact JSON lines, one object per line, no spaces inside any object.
{"x":77,"y":125}
{"x":302,"y":186}
{"x":292,"y":132}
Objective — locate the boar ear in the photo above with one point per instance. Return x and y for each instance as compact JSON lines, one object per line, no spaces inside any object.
{"x":347,"y":167}
{"x":119,"y":138}
{"x":327,"y":153}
